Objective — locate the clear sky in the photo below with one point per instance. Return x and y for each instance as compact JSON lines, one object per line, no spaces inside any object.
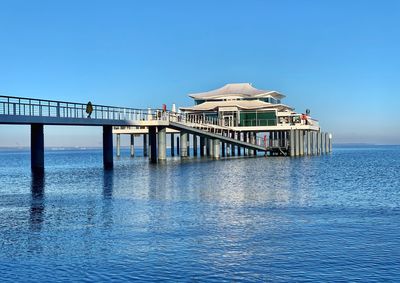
{"x":338,"y":58}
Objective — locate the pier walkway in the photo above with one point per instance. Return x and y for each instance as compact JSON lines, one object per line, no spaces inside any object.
{"x":38,"y":112}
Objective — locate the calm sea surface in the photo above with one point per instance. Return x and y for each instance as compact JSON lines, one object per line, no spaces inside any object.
{"x":323,"y":219}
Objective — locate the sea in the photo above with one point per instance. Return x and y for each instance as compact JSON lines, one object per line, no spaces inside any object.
{"x":328,"y":218}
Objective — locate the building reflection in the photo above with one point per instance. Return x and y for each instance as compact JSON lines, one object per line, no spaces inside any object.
{"x":37,"y":207}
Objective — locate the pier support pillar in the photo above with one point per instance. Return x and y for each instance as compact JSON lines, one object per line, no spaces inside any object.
{"x":301,"y":134}
{"x":326,"y":143}
{"x":153,"y":144}
{"x":37,"y":147}
{"x":162,"y":143}
{"x":145,"y":145}
{"x":326,"y":138}
{"x":107,"y":147}
{"x":330,"y":142}
{"x":253,"y":141}
{"x":311,"y":142}
{"x":132,"y":145}
{"x":188,"y":145}
{"x":216,"y":150}
{"x":292,"y":145}
{"x":244,"y":138}
{"x":321,"y":143}
{"x":318,"y":143}
{"x":202,"y":146}
{"x":118,"y":145}
{"x":172,"y":145}
{"x":271,"y":139}
{"x":223,"y":149}
{"x":232,"y":146}
{"x":178,"y":148}
{"x":308,"y":142}
{"x":239,"y":148}
{"x":184,"y":146}
{"x":194,"y":145}
{"x":211,"y":147}
{"x":314,"y":138}
{"x":297,"y":143}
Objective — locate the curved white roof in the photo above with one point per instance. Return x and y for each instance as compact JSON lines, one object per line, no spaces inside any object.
{"x":241,"y":104}
{"x":237,"y":90}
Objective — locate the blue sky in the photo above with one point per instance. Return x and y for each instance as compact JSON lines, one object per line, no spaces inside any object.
{"x":338,"y":58}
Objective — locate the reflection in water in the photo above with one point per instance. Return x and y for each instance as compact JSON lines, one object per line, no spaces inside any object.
{"x":36,"y":212}
{"x":37,"y":201}
{"x":107,"y":209}
{"x":108,"y":184}
{"x":242,"y":219}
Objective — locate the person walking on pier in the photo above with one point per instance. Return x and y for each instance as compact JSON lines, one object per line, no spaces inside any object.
{"x":89,"y":109}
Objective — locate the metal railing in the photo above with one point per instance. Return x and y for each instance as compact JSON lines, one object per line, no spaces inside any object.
{"x":19,"y":106}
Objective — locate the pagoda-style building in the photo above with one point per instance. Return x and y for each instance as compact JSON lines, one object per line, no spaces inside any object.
{"x":242,"y":105}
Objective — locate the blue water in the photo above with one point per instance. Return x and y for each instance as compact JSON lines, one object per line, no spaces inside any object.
{"x":322,"y":219}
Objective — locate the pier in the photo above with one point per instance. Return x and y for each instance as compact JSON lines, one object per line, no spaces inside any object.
{"x":210,"y":137}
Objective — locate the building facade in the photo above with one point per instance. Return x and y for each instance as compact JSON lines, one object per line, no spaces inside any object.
{"x":241,"y":105}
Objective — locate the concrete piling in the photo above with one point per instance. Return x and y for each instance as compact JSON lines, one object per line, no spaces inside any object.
{"x":211,"y":147}
{"x":216,"y":149}
{"x":162,"y":143}
{"x":292,"y":145}
{"x":132,"y":146}
{"x":301,"y":140}
{"x":37,"y":147}
{"x":232,"y":146}
{"x":253,"y":141}
{"x":153,"y":144}
{"x":202,"y":146}
{"x":297,"y":143}
{"x":145,"y":145}
{"x":188,"y":145}
{"x":178,"y":148}
{"x":172,"y":145}
{"x":118,"y":145}
{"x":239,"y":148}
{"x":326,"y":143}
{"x":184,"y":144}
{"x":194,"y":145}
{"x":107,"y":147}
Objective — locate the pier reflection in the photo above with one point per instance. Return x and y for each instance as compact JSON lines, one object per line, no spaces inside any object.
{"x":37,"y":207}
{"x":107,"y":208}
{"x":108,"y":184}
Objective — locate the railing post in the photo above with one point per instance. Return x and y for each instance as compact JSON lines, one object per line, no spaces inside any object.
{"x":58,"y":109}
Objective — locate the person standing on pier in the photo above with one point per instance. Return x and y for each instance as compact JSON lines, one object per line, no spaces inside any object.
{"x":89,"y":109}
